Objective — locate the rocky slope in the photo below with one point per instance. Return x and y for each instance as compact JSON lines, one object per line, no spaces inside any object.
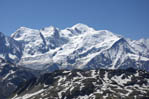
{"x":89,"y":84}
{"x":10,"y":49}
{"x":11,"y":77}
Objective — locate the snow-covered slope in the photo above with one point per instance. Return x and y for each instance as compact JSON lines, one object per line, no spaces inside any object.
{"x":79,"y":46}
{"x":142,"y":46}
{"x":32,"y":41}
{"x":120,"y":55}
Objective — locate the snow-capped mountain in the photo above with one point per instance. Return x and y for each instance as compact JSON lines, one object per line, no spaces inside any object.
{"x":76,"y":47}
{"x":79,"y":47}
{"x":91,"y":84}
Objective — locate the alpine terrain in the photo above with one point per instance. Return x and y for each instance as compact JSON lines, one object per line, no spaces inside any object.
{"x":93,"y":84}
{"x":12,"y":77}
{"x":77,"y":47}
{"x":77,"y":62}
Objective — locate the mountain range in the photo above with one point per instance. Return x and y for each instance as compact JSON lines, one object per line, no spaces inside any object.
{"x":76,"y":47}
{"x":77,"y":62}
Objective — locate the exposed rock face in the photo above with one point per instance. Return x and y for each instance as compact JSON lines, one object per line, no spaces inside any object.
{"x":10,"y":49}
{"x":89,"y":84}
{"x":11,"y":77}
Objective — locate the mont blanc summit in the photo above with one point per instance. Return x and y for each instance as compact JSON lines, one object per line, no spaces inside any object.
{"x":76,"y":47}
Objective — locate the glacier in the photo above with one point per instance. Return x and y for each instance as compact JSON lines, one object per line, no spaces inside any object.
{"x":76,"y":47}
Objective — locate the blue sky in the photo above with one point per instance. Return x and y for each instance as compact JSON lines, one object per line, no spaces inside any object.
{"x":129,"y":18}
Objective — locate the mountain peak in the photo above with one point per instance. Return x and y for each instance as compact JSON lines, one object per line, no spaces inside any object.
{"x":22,"y":28}
{"x":49,"y":29}
{"x":81,"y":28}
{"x":24,"y":31}
{"x":80,"y":25}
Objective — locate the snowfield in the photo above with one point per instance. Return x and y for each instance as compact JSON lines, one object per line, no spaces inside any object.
{"x":76,"y":47}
